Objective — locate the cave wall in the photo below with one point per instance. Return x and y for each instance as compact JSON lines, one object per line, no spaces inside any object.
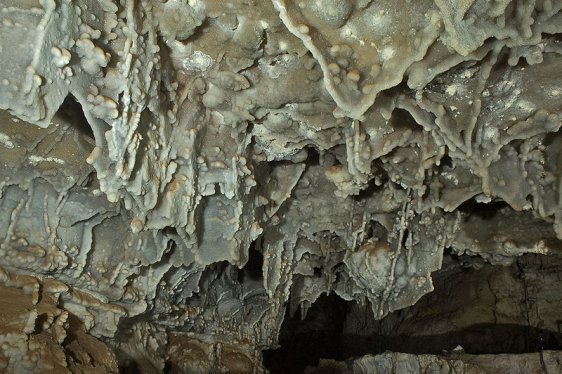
{"x":197,"y":169}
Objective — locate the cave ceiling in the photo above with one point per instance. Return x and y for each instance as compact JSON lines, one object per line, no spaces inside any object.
{"x":178,"y":178}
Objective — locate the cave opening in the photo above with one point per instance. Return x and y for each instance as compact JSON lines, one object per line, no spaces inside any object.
{"x":491,"y":309}
{"x":486,"y":211}
{"x":303,"y":342}
{"x":403,"y":119}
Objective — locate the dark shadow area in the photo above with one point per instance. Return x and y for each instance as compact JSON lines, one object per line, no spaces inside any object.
{"x":367,"y":192}
{"x":304,"y":342}
{"x":459,"y":312}
{"x":476,"y":339}
{"x":402,"y":119}
{"x":313,"y":156}
{"x":91,"y":181}
{"x":485,"y":211}
{"x":253,"y":268}
{"x":72,"y":111}
{"x":129,"y":366}
{"x":376,"y":230}
{"x":446,"y":162}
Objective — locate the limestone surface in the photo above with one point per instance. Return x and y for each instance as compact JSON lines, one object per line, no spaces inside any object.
{"x":188,"y":170}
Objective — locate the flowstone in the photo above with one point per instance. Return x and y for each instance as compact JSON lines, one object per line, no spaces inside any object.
{"x":187,"y":171}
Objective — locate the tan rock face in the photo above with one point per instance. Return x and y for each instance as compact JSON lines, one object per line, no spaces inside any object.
{"x":186,"y":171}
{"x":38,"y":335}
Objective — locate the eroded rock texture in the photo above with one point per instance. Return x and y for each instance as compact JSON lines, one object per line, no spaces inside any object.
{"x":187,"y":171}
{"x":38,"y":335}
{"x":388,"y":363}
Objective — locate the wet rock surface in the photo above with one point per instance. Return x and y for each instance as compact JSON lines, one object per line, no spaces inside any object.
{"x":196,"y":175}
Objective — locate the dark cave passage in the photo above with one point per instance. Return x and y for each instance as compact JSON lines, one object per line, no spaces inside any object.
{"x":489,"y":310}
{"x":304,"y":342}
{"x":476,"y":339}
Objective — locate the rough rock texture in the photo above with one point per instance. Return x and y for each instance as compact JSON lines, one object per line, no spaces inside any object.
{"x":544,"y":362}
{"x":191,"y":169}
{"x":476,"y":308}
{"x":38,"y":335}
{"x":488,"y":309}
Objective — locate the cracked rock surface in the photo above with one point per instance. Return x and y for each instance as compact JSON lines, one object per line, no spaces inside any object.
{"x":179,"y":179}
